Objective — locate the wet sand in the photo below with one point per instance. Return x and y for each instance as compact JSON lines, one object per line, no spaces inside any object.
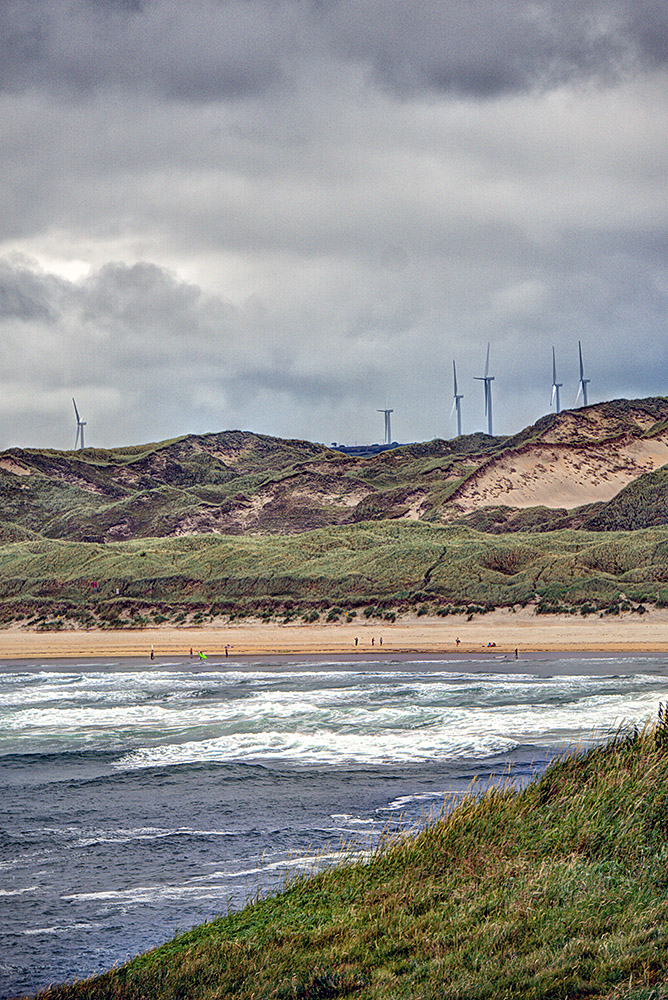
{"x":522,"y":630}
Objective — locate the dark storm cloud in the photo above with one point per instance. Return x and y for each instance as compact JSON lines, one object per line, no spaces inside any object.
{"x":210,"y":49}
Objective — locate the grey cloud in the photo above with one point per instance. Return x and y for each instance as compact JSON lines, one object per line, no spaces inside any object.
{"x":197,"y":51}
{"x":489,"y":47}
{"x":207,"y":49}
{"x":295,"y":259}
{"x":149,"y":356}
{"x":27,"y":298}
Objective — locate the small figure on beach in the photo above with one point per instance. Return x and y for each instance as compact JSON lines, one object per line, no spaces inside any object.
{"x":152,"y":653}
{"x":191,"y":652}
{"x":515,"y":654}
{"x":356,"y":640}
{"x":227,"y":650}
{"x":373,"y":641}
{"x":380,"y":641}
{"x":457,"y":641}
{"x":202,"y":655}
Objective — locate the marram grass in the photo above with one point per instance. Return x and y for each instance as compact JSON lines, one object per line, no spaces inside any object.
{"x":393,"y":562}
{"x":556,"y":891}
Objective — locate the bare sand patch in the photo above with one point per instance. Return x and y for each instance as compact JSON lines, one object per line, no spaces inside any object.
{"x":558,"y":476}
{"x":9,"y":465}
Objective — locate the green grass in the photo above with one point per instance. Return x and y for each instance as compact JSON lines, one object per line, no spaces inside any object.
{"x":559,"y":891}
{"x":641,"y":504}
{"x":399,"y":564}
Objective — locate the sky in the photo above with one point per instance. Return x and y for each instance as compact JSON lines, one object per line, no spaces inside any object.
{"x":285,"y":215}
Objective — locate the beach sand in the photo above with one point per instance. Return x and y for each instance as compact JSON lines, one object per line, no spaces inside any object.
{"x":522,"y":630}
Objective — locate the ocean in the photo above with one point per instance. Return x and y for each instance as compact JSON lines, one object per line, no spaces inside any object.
{"x":138,"y":798}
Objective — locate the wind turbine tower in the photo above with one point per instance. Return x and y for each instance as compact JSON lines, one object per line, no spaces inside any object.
{"x":487,"y":379}
{"x":80,"y":429}
{"x":584,"y":382}
{"x":457,"y":404}
{"x":388,"y":429}
{"x":556,"y":386}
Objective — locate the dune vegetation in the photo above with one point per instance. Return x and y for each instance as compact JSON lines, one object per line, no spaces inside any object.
{"x":236,"y":523}
{"x":379,"y":568}
{"x":557,"y":890}
{"x":563,"y":471}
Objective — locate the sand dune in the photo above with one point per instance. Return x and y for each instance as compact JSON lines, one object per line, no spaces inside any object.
{"x":561,"y":475}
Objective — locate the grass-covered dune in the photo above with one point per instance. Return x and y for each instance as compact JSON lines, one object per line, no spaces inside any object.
{"x":560,"y":890}
{"x":391,"y":564}
{"x":560,"y":472}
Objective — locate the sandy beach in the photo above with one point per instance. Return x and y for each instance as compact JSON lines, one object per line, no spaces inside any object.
{"x":507,"y":630}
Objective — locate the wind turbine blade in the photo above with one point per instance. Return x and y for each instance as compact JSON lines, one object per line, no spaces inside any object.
{"x":579,"y":392}
{"x":554,"y":366}
{"x":454,"y":375}
{"x":75,"y":409}
{"x":554,"y":390}
{"x":487,"y":362}
{"x":581,"y":363}
{"x":486,"y":396}
{"x":454,"y":406}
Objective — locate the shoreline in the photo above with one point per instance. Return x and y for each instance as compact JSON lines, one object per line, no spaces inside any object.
{"x":408,"y":636}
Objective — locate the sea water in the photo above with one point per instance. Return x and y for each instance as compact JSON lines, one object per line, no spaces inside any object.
{"x":138,"y":799}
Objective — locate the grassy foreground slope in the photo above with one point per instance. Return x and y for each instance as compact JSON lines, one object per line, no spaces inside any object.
{"x":391,"y":564}
{"x":556,"y":891}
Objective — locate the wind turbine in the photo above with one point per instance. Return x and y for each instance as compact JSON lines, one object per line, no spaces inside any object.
{"x":487,"y":379}
{"x":556,"y":386}
{"x":584,"y":382}
{"x":388,"y":429}
{"x":457,"y":403}
{"x":80,"y":428}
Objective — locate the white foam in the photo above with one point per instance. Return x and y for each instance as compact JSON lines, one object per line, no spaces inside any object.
{"x":306,"y":862}
{"x":320,"y":717}
{"x":353,"y":820}
{"x":405,"y":800}
{"x":19,"y":892}
{"x":59,"y":929}
{"x":143,"y":833}
{"x":150,"y":894}
{"x":83,"y":837}
{"x":321,"y":747}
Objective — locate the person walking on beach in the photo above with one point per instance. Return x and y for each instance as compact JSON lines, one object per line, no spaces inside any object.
{"x":373,"y":641}
{"x":457,"y":641}
{"x":152,"y":653}
{"x":356,"y":640}
{"x":381,"y":640}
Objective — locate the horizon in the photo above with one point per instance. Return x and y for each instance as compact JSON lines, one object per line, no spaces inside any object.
{"x":333,"y":445}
